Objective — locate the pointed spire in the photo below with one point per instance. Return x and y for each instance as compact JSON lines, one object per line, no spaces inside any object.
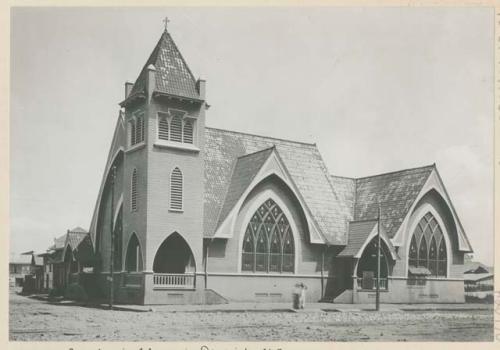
{"x":172,"y":75}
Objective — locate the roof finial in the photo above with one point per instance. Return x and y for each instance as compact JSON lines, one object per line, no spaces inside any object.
{"x":166,"y":20}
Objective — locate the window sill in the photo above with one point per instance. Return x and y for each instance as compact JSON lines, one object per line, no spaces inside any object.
{"x":136,"y":147}
{"x":176,"y":210}
{"x":176,"y":145}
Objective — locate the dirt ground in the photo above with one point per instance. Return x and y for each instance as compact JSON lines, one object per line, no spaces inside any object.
{"x":34,"y":320}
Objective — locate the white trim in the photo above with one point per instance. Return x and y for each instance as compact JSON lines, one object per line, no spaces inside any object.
{"x":227,"y":227}
{"x":260,"y":199}
{"x":170,"y":190}
{"x":119,"y":206}
{"x":136,"y":147}
{"x":427,"y":278}
{"x":259,"y":274}
{"x":418,"y":215}
{"x":190,"y":147}
{"x":433,"y":183}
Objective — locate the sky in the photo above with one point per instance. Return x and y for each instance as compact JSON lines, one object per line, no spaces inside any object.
{"x":377,"y":89}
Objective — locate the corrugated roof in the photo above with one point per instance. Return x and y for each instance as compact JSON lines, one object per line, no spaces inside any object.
{"x":172,"y":75}
{"x":395,"y":192}
{"x":303,"y":163}
{"x":245,"y":170}
{"x":358,"y":233}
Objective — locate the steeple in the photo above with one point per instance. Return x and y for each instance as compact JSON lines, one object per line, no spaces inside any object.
{"x":172,"y":76}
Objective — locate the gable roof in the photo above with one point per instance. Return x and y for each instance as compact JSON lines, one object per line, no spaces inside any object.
{"x":245,"y":169}
{"x":172,"y":74}
{"x":357,"y":236}
{"x":303,"y":163}
{"x":395,"y":191}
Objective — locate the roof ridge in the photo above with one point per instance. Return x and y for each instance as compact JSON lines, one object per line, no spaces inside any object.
{"x":397,"y":171}
{"x":261,"y":136}
{"x":254,"y":153}
{"x":343,"y":177}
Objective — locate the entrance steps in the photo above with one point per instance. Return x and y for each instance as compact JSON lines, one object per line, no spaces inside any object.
{"x":344,"y":298}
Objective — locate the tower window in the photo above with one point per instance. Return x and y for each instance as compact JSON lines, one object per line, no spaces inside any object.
{"x":176,"y":126}
{"x":132,"y":132}
{"x":188,"y":131}
{"x":163,"y":127}
{"x":133,"y":191}
{"x":176,"y":189}
{"x":139,"y":129}
{"x":176,"y":129}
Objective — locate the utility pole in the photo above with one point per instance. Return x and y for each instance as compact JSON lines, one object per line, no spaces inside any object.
{"x":111,"y":226}
{"x":377,"y":295}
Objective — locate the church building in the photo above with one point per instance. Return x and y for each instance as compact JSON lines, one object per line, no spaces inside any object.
{"x":187,"y":213}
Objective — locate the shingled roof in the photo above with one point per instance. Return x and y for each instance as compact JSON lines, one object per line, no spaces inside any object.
{"x":304,"y":165}
{"x":172,"y":75}
{"x":395,"y":192}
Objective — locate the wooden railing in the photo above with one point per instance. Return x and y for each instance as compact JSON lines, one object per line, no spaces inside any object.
{"x":383,"y":284}
{"x":173,"y":280}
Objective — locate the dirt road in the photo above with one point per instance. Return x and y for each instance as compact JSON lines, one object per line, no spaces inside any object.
{"x":32,"y":320}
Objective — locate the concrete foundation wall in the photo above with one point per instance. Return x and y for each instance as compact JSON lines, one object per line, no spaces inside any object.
{"x":435,"y":291}
{"x":259,"y":288}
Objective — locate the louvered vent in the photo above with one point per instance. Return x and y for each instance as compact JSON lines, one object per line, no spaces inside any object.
{"x":188,"y":131}
{"x":132,"y":132}
{"x":162,"y":128}
{"x":140,"y":129}
{"x":176,"y":189}
{"x":176,"y":129}
{"x":133,"y":191}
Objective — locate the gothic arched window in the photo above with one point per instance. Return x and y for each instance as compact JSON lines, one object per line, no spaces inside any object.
{"x":430,"y":251}
{"x":176,"y":189}
{"x":188,"y":131}
{"x":268,"y":244}
{"x":162,"y":127}
{"x":133,"y":191}
{"x":176,"y":129}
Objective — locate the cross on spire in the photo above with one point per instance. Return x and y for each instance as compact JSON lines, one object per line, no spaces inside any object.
{"x":166,"y":20}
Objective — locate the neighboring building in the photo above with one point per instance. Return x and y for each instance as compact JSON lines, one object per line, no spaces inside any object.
{"x":199,"y":213}
{"x":61,"y":259}
{"x":19,"y":268}
{"x":478,"y":279}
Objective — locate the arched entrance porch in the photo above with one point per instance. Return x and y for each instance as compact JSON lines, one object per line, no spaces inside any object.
{"x":366,"y":269}
{"x":174,"y":265}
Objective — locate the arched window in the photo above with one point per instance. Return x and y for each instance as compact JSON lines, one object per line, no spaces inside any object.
{"x":248,"y":251}
{"x":188,"y":131}
{"x":133,"y":259}
{"x":133,"y":191}
{"x":422,"y":253}
{"x":132,"y":132}
{"x":139,"y":129}
{"x":176,"y":189}
{"x":162,"y":127}
{"x":176,"y":129}
{"x":428,"y":247}
{"x":268,"y":244}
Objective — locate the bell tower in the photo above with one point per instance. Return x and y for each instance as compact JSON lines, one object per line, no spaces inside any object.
{"x":165,"y":121}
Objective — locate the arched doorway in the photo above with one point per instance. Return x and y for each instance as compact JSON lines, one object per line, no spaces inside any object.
{"x":174,"y":264}
{"x":133,"y":258}
{"x":174,"y":256}
{"x":367,"y":266}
